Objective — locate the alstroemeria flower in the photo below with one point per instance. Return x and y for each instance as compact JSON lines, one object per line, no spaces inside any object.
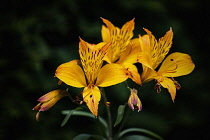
{"x":152,"y":54}
{"x":91,"y":74}
{"x":48,"y":100}
{"x":134,"y":100}
{"x":120,"y":38}
{"x":123,"y":50}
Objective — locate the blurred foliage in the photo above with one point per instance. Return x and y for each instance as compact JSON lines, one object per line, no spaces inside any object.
{"x":37,"y":36}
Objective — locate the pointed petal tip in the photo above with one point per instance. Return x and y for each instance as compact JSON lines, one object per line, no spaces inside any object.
{"x":103,"y":19}
{"x":140,"y":108}
{"x":147,"y":30}
{"x":80,"y":39}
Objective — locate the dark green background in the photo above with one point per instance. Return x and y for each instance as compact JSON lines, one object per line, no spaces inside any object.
{"x":37,"y":36}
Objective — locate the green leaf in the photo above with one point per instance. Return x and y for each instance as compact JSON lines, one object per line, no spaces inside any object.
{"x":136,"y":137}
{"x":67,"y":118}
{"x":120,"y":114}
{"x":69,"y":113}
{"x":140,"y":130}
{"x":88,"y":137}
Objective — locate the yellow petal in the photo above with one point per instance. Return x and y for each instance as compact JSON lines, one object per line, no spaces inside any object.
{"x":145,"y":43}
{"x":161,"y":48}
{"x":169,"y":84}
{"x":148,"y":74}
{"x":120,"y":38}
{"x":108,"y":24}
{"x":105,"y":34}
{"x":132,"y":72}
{"x":145,"y":55}
{"x":92,"y":96}
{"x":130,"y":55}
{"x":92,"y":58}
{"x":145,"y":59}
{"x":111,"y":74}
{"x":177,"y":64}
{"x":84,"y":46}
{"x":71,"y":74}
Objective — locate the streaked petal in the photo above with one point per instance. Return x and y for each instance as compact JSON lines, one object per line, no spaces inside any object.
{"x":161,"y":48}
{"x":92,"y":96}
{"x":177,"y":64}
{"x":111,"y":74}
{"x":92,"y":58}
{"x":169,"y":84}
{"x":120,"y":38}
{"x":71,"y":74}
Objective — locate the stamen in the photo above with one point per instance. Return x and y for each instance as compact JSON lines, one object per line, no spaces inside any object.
{"x":77,"y":100}
{"x":60,"y":82}
{"x":127,"y":85}
{"x":158,"y":87}
{"x":178,"y":86}
{"x":108,"y":103}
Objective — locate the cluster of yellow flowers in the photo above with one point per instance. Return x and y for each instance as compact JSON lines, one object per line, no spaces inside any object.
{"x":112,"y":61}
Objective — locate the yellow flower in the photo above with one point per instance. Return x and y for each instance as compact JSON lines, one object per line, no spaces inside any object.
{"x":152,"y":54}
{"x":123,"y":50}
{"x":48,"y":100}
{"x":120,"y":38}
{"x":134,"y":100}
{"x":91,"y":74}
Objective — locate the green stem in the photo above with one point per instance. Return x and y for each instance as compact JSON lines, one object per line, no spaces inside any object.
{"x":109,"y":118}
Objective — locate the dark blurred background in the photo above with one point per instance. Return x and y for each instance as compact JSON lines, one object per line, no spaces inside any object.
{"x":37,"y":36}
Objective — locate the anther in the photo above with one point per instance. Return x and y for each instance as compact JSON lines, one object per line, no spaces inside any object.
{"x":108,"y":103}
{"x":158,"y":87}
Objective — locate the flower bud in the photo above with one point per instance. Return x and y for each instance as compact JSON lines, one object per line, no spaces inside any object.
{"x":48,"y":100}
{"x":134,"y":101}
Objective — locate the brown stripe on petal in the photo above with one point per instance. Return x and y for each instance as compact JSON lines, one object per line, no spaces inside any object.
{"x":92,"y":58}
